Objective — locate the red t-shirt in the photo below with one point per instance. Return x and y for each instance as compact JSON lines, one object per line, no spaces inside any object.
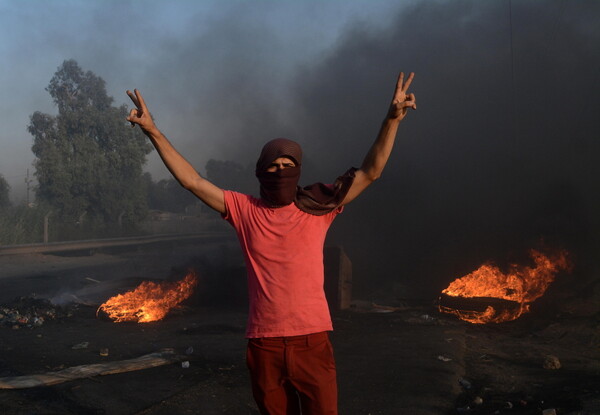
{"x":283,"y":249}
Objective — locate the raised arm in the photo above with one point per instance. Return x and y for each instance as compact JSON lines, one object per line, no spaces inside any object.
{"x":181,"y":169}
{"x":380,"y":151}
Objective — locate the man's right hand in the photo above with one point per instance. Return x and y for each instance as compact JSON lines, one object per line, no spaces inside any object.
{"x":140,"y":115}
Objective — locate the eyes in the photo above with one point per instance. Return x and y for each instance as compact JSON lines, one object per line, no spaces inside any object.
{"x":280,"y":164}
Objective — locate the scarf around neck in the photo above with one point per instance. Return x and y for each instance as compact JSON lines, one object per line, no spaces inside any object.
{"x":280,"y":188}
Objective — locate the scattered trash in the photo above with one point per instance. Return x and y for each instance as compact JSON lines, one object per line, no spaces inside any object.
{"x":37,"y":321}
{"x":464,"y":383}
{"x":104,"y":351}
{"x":82,"y":345}
{"x":477,"y":401}
{"x":427,"y":317}
{"x":185,"y":364}
{"x":464,"y":410}
{"x":508,"y":405}
{"x":189,"y":350}
{"x":550,"y":411}
{"x":551,"y":362}
{"x":30,"y":312}
{"x":92,"y":280}
{"x":444,"y":358}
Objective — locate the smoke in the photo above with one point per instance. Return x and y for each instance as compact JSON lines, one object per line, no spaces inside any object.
{"x":500,"y":153}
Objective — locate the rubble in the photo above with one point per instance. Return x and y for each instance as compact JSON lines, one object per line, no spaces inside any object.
{"x":30,"y":312}
{"x":464,"y":383}
{"x":82,"y":345}
{"x":551,"y":362}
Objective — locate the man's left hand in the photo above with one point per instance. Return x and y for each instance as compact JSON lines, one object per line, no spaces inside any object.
{"x":402,"y":100}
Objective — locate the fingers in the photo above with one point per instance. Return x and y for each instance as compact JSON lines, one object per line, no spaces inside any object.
{"x":142,"y":103}
{"x":408,"y":81}
{"x":412,"y":101}
{"x":400,"y":82}
{"x":401,"y":86}
{"x":136,"y":114}
{"x":137,"y":99}
{"x":133,"y":116}
{"x":136,"y":102}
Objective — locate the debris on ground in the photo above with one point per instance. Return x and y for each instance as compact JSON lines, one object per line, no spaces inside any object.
{"x":82,"y":345}
{"x":551,"y":362}
{"x":363,"y":306}
{"x":86,"y":371}
{"x":31,"y":312}
{"x":464,"y":383}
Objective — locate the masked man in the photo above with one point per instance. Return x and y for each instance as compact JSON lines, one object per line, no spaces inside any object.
{"x":282,"y":234}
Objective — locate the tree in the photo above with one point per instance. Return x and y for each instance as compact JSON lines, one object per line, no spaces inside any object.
{"x":4,"y":190}
{"x":88,"y":159}
{"x":168,"y":195}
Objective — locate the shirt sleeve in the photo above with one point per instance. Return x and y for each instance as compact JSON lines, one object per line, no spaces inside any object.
{"x":232,"y":209}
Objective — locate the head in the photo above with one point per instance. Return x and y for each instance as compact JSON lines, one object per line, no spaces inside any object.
{"x":278,"y":171}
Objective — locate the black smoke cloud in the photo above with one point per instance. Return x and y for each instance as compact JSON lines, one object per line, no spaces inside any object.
{"x":500,"y":155}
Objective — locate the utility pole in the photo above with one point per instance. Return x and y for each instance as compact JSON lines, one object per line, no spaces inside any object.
{"x":28,"y":182}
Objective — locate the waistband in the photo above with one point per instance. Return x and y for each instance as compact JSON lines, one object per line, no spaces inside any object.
{"x":303,"y":340}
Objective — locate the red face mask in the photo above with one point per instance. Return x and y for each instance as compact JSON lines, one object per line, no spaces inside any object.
{"x":279,"y":188}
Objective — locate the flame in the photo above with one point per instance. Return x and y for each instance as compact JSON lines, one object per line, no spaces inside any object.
{"x":150,"y":301}
{"x":521,"y":285}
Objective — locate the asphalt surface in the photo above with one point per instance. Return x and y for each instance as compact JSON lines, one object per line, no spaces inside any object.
{"x":403,"y":361}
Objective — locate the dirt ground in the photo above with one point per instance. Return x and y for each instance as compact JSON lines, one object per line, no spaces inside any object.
{"x":409,"y":361}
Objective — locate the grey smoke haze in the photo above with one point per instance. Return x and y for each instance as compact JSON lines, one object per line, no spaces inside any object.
{"x":503,"y":149}
{"x":501,"y":152}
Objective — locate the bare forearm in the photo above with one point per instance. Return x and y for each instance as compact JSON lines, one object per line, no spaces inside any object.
{"x":379,"y":153}
{"x":179,"y":167}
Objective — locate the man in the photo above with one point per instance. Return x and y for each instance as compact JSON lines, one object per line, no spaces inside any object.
{"x":282,"y":235}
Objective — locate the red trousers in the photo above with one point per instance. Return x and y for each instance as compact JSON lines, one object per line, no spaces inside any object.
{"x":293,"y":375}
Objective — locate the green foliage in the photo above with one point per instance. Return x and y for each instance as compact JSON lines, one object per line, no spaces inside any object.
{"x":21,"y":224}
{"x":88,"y":159}
{"x":4,"y":191}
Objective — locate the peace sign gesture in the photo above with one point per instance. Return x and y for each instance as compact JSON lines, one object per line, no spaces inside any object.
{"x":139,"y":115}
{"x":402,"y":101}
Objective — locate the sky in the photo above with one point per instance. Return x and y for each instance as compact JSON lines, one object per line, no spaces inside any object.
{"x":162,"y":48}
{"x":501,"y":154}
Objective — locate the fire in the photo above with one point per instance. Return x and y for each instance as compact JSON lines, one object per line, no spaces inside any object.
{"x":150,"y":301}
{"x":520,"y":286}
